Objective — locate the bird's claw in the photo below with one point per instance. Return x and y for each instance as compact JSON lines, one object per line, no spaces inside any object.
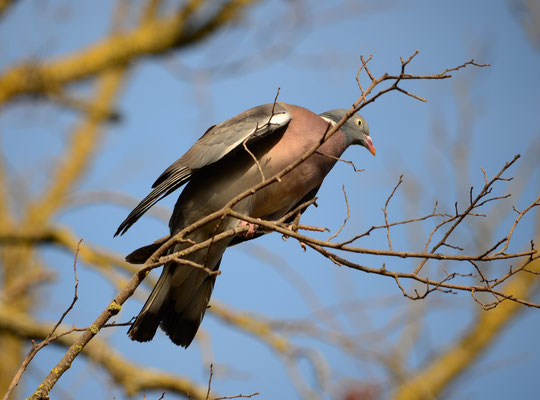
{"x":251,"y":230}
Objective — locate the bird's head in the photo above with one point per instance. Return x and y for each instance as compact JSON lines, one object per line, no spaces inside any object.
{"x":356,"y":129}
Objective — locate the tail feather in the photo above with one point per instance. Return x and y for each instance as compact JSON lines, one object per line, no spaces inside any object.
{"x":142,"y":254}
{"x":179,"y":301}
{"x":177,"y":304}
{"x":145,"y":326}
{"x":185,"y":289}
{"x":181,"y":321}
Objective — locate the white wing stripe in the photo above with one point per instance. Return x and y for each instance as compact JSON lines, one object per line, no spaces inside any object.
{"x":276,"y":119}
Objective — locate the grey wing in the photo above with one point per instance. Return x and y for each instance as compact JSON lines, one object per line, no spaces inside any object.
{"x":218,"y":141}
{"x":221,"y":139}
{"x":173,"y":182}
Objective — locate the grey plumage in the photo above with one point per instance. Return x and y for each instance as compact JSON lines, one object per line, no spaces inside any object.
{"x":216,"y":169}
{"x":214,"y":144}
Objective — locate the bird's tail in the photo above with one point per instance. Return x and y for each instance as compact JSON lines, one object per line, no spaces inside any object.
{"x":142,"y":254}
{"x":188,"y":303}
{"x":179,"y":299}
{"x":145,"y":325}
{"x":177,"y":308}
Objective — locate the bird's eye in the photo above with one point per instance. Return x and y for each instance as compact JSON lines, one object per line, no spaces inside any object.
{"x":359,"y":122}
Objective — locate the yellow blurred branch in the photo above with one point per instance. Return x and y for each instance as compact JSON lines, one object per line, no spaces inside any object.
{"x":150,"y":11}
{"x":83,"y":143}
{"x":259,"y":328}
{"x":4,"y":5}
{"x":155,"y":36}
{"x":64,"y":238}
{"x":108,"y":60}
{"x":134,"y":378}
{"x":5,"y":217}
{"x":17,"y":260}
{"x":21,"y":286}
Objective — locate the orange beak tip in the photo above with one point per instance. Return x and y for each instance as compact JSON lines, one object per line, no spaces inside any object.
{"x":370,"y":146}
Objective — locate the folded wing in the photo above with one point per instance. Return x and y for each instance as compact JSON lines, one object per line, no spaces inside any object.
{"x":217,"y":142}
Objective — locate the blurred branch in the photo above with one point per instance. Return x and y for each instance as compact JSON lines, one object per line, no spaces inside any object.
{"x":528,"y":12}
{"x":95,"y":257}
{"x":5,"y":5}
{"x":257,"y":327}
{"x":6,"y":221}
{"x":82,"y":199}
{"x":151,"y":11}
{"x":22,"y":285}
{"x":238,"y":396}
{"x":134,"y":378}
{"x":153,"y":37}
{"x":50,"y":336}
{"x":64,"y":238}
{"x":36,"y":215}
{"x":83,"y":144}
{"x":83,"y":106}
{"x":263,"y":330}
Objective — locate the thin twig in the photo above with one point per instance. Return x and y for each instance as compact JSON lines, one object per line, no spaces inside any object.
{"x":460,"y":217}
{"x":385,"y":211}
{"x":50,"y":337}
{"x":346,"y":218}
{"x":210,"y":380}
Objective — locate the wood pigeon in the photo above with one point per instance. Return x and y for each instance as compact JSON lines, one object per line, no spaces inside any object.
{"x":216,"y":169}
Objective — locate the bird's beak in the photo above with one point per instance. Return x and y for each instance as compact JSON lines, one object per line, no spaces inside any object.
{"x":369,"y":145}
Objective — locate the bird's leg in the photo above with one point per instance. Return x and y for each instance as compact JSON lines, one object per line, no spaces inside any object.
{"x":293,"y":226}
{"x":252,"y":229}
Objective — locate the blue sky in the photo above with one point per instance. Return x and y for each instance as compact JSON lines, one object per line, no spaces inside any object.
{"x":488,"y":114}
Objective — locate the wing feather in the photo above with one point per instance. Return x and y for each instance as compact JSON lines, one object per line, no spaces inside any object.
{"x":173,"y":182}
{"x":217,"y":142}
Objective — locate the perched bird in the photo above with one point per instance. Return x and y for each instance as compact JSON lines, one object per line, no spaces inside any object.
{"x":216,"y":169}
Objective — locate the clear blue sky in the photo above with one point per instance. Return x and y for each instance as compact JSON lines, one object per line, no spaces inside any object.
{"x":489,"y":114}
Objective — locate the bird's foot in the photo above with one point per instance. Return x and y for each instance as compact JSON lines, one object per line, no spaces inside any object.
{"x":293,"y":226}
{"x":252,"y":229}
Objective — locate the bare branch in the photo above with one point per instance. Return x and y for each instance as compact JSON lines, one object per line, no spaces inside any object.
{"x":346,"y":218}
{"x":385,"y":211}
